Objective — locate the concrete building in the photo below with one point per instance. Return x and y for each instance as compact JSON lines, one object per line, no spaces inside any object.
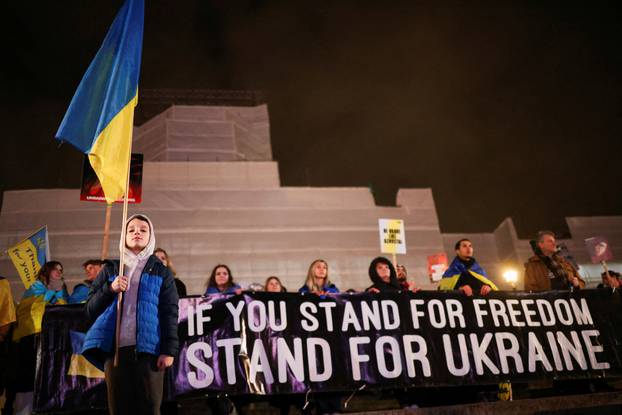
{"x":213,"y":192}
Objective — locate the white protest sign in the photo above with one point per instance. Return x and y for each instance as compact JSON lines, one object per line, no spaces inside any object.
{"x":392,"y":236}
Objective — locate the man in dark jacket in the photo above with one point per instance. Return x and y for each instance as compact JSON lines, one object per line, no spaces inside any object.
{"x":547,"y":270}
{"x":465,"y":274}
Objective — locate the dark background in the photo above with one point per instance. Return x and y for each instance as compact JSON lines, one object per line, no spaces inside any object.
{"x":503,"y":108}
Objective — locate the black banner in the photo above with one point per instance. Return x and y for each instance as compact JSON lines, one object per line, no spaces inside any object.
{"x":264,"y":343}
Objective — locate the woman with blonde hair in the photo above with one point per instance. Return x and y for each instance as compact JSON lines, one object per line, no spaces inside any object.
{"x":317,"y":281}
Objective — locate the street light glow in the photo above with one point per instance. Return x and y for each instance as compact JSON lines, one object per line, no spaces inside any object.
{"x":511,"y":276}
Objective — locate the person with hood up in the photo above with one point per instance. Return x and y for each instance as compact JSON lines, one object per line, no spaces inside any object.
{"x":385,"y":278}
{"x":148,"y":331}
{"x":465,"y":274}
{"x":383,"y":275}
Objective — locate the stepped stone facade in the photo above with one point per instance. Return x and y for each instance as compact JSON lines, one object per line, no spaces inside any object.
{"x":214,"y":195}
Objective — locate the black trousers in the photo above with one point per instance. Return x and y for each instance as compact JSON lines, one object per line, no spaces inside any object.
{"x":135,"y":386}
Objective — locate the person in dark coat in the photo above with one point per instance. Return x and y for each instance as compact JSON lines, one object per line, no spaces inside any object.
{"x":383,"y":276}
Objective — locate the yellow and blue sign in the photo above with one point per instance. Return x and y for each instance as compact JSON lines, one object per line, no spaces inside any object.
{"x":100,"y":117}
{"x":29,"y":255}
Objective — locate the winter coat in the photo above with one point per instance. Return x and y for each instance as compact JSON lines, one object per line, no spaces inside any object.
{"x":156,"y":315}
{"x":538,"y":276}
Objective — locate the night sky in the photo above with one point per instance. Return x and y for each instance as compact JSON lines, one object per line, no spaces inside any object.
{"x":502,"y":108}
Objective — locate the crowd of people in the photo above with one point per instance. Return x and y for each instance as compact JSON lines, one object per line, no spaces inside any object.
{"x":148,"y":340}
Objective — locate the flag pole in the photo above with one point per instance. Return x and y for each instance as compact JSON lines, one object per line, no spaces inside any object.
{"x":122,"y":258}
{"x":104,"y":254}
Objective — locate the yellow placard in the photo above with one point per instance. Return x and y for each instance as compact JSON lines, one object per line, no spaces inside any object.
{"x":24,"y":257}
{"x":392,"y":236}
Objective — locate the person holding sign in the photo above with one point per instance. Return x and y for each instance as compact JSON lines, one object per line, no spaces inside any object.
{"x":317,"y":281}
{"x":547,"y":270}
{"x":221,"y":281}
{"x":148,"y":331}
{"x":465,"y":274}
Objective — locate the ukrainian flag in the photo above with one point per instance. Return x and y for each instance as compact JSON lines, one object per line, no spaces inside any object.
{"x":78,"y":365}
{"x":100,"y":117}
{"x":29,"y":255}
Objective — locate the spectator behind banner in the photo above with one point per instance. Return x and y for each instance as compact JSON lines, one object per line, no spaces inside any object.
{"x":273,"y":285}
{"x":383,"y":276}
{"x":547,"y":270}
{"x":81,"y":291}
{"x":610,"y":279}
{"x":49,"y":288}
{"x":164,"y":257}
{"x":148,"y":330}
{"x":221,"y":281}
{"x":402,"y":275}
{"x":402,"y":278}
{"x":465,"y":274}
{"x":317,"y":281}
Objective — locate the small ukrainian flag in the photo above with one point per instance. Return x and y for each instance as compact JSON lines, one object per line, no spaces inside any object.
{"x":100,"y":117}
{"x":29,"y":255}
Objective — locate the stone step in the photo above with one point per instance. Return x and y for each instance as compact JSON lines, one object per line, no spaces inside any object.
{"x":92,"y":221}
{"x":43,"y":200}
